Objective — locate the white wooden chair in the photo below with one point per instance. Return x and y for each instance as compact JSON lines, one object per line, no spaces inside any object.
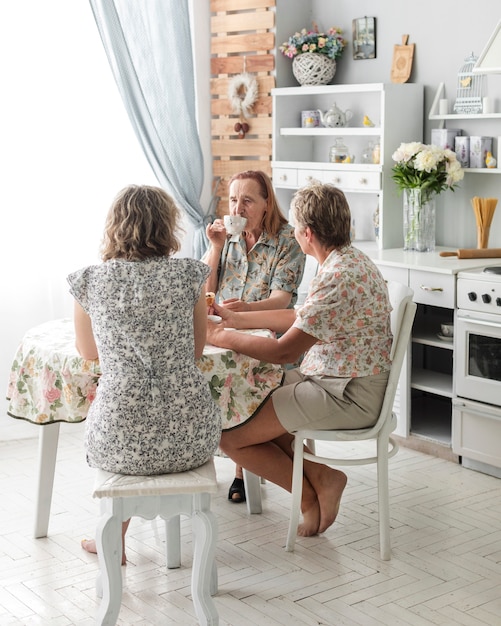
{"x":402,"y":318}
{"x":167,"y":496}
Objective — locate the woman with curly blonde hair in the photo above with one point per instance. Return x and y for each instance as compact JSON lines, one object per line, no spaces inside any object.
{"x":143,"y":314}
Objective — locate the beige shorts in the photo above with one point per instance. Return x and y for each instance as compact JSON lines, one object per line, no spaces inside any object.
{"x":320,"y":403}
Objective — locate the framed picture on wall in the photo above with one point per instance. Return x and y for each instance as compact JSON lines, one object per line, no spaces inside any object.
{"x":364,"y":38}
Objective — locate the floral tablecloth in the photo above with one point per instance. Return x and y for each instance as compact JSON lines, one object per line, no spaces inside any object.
{"x":49,"y":381}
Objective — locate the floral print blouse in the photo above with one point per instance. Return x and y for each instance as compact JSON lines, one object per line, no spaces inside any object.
{"x":273,"y":263}
{"x":348,"y":310}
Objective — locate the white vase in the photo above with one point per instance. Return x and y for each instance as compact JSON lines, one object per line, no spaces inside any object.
{"x":419,"y":220}
{"x":313,"y":68}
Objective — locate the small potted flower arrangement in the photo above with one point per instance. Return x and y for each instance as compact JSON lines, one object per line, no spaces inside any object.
{"x":314,"y":54}
{"x":422,"y":172}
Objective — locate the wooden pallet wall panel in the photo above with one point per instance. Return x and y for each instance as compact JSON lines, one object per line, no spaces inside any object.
{"x":242,"y":40}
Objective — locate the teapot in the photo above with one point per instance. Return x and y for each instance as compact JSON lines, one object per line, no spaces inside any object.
{"x":334,"y":117}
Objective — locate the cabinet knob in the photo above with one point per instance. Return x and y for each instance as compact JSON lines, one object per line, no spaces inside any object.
{"x":363,"y":181}
{"x":283,"y":178}
{"x":336,"y":180}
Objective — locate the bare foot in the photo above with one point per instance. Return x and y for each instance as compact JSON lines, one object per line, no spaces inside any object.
{"x":311,"y":521}
{"x":329,"y":497}
{"x":90,"y":546}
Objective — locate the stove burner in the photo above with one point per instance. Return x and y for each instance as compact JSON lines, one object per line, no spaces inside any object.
{"x":493,"y":269}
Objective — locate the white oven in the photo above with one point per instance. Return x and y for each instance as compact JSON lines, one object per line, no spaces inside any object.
{"x":477,"y":356}
{"x":476,"y":420}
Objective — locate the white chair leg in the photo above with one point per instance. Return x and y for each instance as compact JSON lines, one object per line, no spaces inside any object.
{"x":383,"y":498}
{"x":47,"y":453}
{"x":109,"y":550}
{"x":252,"y":485}
{"x":297,"y":492}
{"x":203,"y":571}
{"x":173,"y":538}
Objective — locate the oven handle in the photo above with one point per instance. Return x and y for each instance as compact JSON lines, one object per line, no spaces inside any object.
{"x":478,"y":322}
{"x":482,"y":319}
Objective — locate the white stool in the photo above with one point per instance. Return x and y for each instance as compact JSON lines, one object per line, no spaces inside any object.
{"x":167,"y":496}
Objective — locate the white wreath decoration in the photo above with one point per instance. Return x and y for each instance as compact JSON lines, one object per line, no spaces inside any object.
{"x":242,"y":92}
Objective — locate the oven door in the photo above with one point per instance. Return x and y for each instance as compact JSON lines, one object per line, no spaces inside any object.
{"x":477,"y":356}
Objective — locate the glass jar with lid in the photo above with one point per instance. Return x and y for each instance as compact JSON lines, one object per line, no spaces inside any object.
{"x":339,"y":152}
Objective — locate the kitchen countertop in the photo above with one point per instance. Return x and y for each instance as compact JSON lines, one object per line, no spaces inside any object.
{"x":426,"y":261}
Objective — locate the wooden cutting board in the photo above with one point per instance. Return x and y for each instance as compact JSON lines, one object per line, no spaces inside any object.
{"x":402,"y":61}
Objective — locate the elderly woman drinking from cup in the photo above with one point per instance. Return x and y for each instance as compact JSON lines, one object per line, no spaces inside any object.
{"x":256,"y":262}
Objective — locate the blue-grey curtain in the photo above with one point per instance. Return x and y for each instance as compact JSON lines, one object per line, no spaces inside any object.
{"x":148,"y":44}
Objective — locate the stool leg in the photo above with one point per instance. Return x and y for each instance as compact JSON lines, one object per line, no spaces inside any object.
{"x":173,"y":537}
{"x":109,"y":550}
{"x":203,"y":575}
{"x":47,"y":453}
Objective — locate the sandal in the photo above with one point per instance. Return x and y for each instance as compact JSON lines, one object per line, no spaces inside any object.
{"x":237,"y":491}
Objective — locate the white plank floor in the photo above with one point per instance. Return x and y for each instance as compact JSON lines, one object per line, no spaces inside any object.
{"x":445,"y":570}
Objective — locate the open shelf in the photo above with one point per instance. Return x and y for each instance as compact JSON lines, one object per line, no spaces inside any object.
{"x":432,"y":382}
{"x":431,"y":417}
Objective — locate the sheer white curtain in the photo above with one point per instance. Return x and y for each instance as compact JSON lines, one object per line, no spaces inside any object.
{"x":150,"y":52}
{"x":67,"y":147}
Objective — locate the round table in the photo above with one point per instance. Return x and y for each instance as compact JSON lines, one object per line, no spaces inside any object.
{"x":51,"y":383}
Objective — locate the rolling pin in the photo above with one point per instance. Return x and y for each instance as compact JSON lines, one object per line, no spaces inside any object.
{"x":474,"y":253}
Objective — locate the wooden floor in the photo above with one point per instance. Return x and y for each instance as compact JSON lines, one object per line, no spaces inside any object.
{"x":445,"y":570}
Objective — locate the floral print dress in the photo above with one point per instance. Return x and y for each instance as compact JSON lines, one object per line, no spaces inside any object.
{"x":153,"y":412}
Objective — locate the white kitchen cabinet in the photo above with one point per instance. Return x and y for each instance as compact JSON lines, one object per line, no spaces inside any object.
{"x":300,"y":155}
{"x":425,"y":394}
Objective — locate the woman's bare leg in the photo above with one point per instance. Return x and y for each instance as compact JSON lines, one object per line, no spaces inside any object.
{"x":264,"y":447}
{"x":90,"y":544}
{"x":326,"y":483}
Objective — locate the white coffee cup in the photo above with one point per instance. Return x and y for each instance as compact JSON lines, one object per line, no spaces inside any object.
{"x":234,"y":224}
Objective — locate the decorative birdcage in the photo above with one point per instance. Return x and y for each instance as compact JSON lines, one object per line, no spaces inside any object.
{"x":469,"y":88}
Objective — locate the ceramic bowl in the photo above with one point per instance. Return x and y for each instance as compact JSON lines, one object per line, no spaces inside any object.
{"x":447,"y":329}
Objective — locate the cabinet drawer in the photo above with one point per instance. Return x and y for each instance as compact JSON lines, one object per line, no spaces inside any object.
{"x":353,"y":181}
{"x":397,"y":274}
{"x":284,"y":177}
{"x":306,"y":177}
{"x":433,"y":288}
{"x":476,"y":431}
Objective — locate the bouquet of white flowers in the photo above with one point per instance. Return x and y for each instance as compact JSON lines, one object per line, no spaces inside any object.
{"x":428,"y":168}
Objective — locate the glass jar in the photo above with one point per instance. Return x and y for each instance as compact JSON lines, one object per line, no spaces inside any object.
{"x":339,"y":152}
{"x":367,"y":153}
{"x":376,"y":154}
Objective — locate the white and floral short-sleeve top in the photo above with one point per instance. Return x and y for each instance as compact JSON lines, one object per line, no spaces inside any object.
{"x":348,"y":310}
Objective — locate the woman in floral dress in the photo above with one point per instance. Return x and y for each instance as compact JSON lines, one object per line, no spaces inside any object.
{"x":144,"y":315}
{"x":344,"y":330}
